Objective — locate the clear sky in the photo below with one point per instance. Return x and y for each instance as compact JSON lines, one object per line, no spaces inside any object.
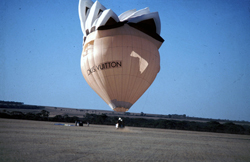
{"x":205,"y":59}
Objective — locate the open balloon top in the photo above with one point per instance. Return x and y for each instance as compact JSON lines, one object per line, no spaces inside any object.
{"x":94,"y":16}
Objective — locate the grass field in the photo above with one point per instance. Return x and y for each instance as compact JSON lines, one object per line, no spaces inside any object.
{"x":23,"y":140}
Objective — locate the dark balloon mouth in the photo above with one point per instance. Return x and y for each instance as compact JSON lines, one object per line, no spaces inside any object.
{"x":120,"y":109}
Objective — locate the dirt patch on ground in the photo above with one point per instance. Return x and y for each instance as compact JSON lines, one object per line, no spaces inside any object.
{"x":23,"y":140}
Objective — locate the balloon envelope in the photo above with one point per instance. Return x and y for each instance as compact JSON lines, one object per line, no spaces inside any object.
{"x":120,"y":63}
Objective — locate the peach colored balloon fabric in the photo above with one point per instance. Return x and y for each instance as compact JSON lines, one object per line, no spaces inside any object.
{"x":120,"y":64}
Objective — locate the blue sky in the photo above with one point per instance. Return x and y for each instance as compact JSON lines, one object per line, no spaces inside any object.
{"x":205,"y":59}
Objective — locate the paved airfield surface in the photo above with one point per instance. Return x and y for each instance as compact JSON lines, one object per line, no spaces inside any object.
{"x":24,"y":140}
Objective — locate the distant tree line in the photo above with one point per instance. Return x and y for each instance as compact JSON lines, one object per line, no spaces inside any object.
{"x":10,"y":103}
{"x":43,"y":115}
{"x":18,"y":105}
{"x":211,"y":126}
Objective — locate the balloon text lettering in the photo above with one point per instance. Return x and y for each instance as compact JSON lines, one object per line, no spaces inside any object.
{"x":103,"y":66}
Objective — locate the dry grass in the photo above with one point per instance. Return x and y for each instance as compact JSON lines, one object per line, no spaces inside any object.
{"x":22,"y":140}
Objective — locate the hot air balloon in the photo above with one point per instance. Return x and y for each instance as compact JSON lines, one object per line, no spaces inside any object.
{"x":120,"y":57}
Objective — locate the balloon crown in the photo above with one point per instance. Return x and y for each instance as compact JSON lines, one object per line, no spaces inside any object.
{"x":94,"y":16}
